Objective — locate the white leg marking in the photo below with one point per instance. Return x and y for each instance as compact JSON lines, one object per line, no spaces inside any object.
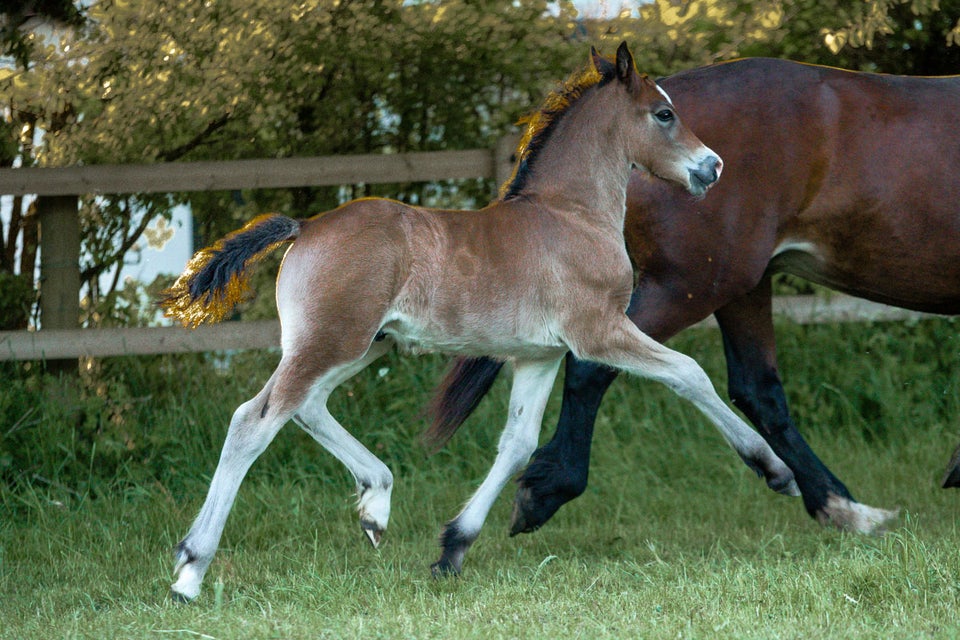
{"x":373,"y":478}
{"x":855,"y":516}
{"x":532,"y":383}
{"x":249,"y":434}
{"x":629,"y":349}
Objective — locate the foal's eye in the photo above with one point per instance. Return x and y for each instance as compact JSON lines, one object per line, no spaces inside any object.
{"x":664,"y":115}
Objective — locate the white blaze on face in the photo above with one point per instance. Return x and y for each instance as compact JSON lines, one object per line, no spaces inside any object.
{"x":663,"y":93}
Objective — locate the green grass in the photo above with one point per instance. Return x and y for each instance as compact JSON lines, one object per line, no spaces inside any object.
{"x":674,"y":538}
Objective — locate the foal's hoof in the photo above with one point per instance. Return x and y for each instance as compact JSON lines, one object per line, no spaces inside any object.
{"x":789,"y":489}
{"x":444,"y":568}
{"x":778,"y":477}
{"x":179,"y":598}
{"x":373,"y":532}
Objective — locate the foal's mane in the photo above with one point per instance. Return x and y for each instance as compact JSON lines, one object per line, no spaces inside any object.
{"x":541,"y":124}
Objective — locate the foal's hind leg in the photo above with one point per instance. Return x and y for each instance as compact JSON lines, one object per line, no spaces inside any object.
{"x":373,"y":478}
{"x":623,"y":346}
{"x":532,"y":382}
{"x":252,"y":428}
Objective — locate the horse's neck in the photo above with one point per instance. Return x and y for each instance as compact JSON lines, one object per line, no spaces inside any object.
{"x":584,"y":168}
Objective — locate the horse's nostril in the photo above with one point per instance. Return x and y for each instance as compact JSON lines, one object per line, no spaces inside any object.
{"x":708,"y":171}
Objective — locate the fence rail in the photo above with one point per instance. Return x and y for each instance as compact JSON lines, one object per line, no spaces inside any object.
{"x":277,"y":173}
{"x":73,"y":343}
{"x":58,"y":190}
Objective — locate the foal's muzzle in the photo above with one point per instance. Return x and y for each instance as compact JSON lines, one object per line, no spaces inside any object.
{"x":706,"y":173}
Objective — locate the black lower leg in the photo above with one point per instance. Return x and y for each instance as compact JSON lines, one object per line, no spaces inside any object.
{"x":559,"y":470}
{"x":757,"y":391}
{"x":453,"y":545}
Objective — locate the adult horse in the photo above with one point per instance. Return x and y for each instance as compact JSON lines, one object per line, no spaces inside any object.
{"x":846,"y":179}
{"x":541,"y":272}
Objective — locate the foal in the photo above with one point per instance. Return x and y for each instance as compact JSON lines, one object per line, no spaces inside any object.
{"x":539,"y":273}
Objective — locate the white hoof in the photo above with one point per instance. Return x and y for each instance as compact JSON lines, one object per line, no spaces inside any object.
{"x":848,"y":515}
{"x":374,"y":508}
{"x":187,"y":586}
{"x":373,"y":534}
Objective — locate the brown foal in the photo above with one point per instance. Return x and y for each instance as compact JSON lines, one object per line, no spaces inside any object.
{"x":538,"y":273}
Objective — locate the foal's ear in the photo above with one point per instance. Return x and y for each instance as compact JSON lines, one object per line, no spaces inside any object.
{"x":626,"y":72}
{"x":603,"y":66}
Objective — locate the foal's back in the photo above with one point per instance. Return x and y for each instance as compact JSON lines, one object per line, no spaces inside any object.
{"x":500,"y":281}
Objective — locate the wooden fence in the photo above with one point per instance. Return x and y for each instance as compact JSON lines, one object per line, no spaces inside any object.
{"x":56,"y":344}
{"x":58,"y":192}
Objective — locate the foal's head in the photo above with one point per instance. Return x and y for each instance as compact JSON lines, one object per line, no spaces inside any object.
{"x":656,"y":139}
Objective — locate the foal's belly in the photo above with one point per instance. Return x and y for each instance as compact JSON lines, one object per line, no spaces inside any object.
{"x":474,"y":337}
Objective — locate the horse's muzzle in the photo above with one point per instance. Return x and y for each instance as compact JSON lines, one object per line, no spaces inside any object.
{"x":706,"y":173}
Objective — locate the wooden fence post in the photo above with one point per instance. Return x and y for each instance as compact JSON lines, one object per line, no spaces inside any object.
{"x":59,"y":269}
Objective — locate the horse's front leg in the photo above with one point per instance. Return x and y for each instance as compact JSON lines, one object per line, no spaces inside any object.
{"x":755,"y":388}
{"x":532,"y":382}
{"x":559,"y":470}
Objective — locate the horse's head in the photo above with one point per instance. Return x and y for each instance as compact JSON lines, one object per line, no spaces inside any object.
{"x":656,"y":139}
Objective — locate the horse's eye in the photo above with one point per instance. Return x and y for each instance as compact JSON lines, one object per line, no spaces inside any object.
{"x":664,"y":115}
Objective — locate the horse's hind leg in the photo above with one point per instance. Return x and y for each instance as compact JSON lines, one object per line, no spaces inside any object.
{"x":252,"y":428}
{"x":373,"y":478}
{"x":532,"y":382}
{"x":624,"y":346}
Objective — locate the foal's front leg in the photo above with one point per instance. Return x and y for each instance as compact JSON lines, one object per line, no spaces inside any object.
{"x":623,"y":346}
{"x":532,"y":382}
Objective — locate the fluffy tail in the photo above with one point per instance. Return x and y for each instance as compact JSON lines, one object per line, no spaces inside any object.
{"x":457,"y":395}
{"x":215,"y":279}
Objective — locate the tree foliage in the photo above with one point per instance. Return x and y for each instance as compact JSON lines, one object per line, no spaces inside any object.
{"x":140,"y":82}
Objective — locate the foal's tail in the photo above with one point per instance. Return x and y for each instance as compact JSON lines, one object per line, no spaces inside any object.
{"x":215,"y":279}
{"x":457,"y":395}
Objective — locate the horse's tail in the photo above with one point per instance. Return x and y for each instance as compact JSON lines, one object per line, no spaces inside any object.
{"x":215,"y":279}
{"x":457,"y":395}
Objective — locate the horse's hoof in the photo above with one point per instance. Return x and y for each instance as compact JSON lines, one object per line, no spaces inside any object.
{"x":374,"y":533}
{"x":524,"y":506}
{"x":444,"y":568}
{"x":533,"y":507}
{"x":951,"y":478}
{"x":849,"y":515}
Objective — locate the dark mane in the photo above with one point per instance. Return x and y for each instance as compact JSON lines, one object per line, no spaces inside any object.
{"x":541,"y":123}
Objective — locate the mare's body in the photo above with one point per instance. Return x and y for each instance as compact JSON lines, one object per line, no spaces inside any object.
{"x":846,"y":179}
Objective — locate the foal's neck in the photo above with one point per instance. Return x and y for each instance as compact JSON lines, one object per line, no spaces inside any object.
{"x":584,"y":168}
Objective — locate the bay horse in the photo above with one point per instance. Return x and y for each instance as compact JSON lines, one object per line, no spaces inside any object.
{"x":540,"y":272}
{"x":843,"y":178}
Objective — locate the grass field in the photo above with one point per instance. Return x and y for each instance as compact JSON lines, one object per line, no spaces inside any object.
{"x":674,"y":538}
